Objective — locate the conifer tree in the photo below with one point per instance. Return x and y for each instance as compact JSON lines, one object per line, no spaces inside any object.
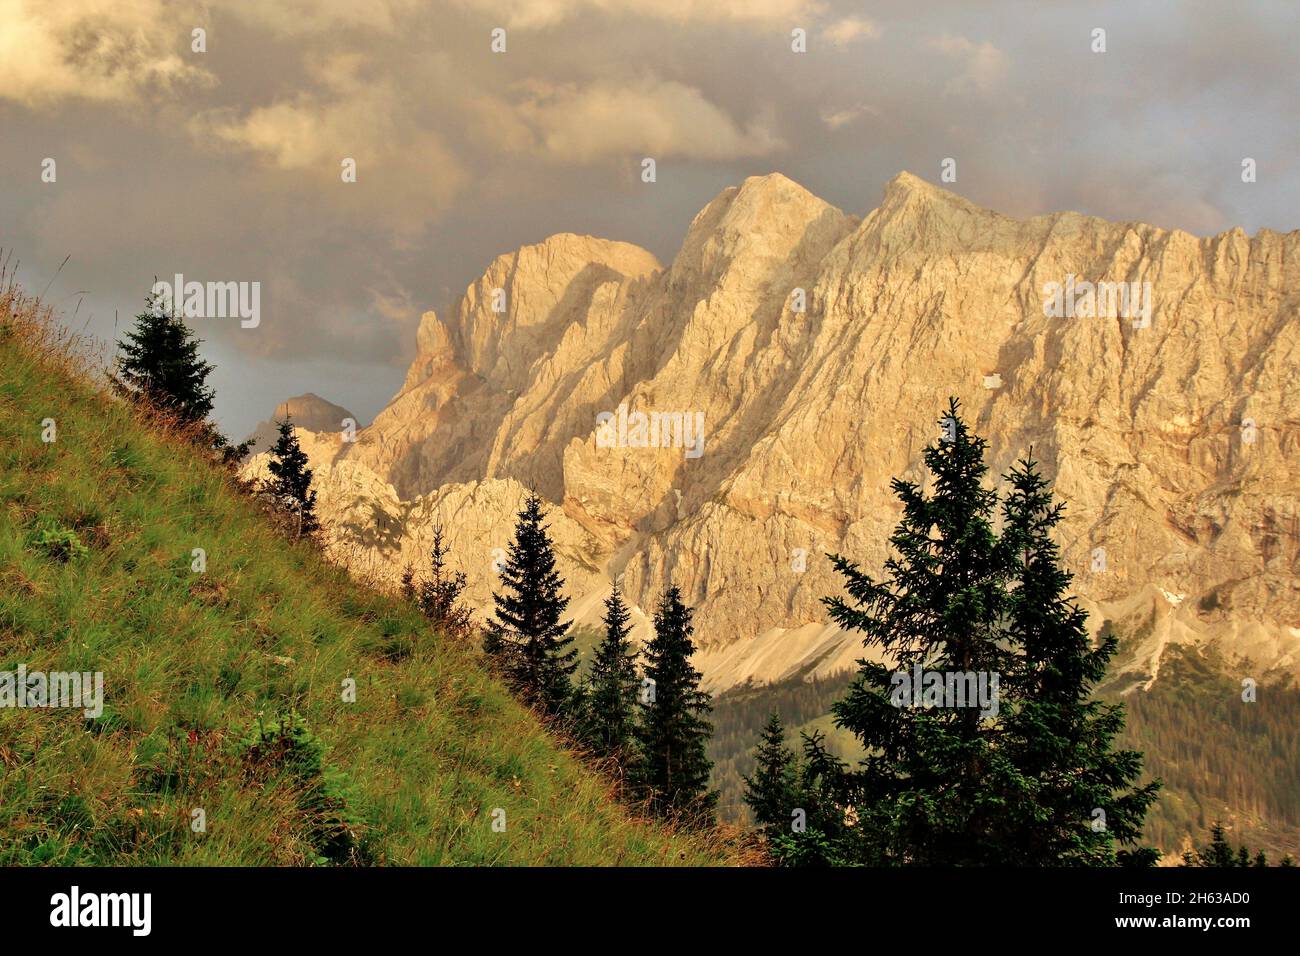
{"x":771,"y":792}
{"x":160,"y":365}
{"x":1219,"y":852}
{"x":931,"y":789}
{"x":950,"y":783}
{"x":673,"y":769}
{"x":438,"y":595}
{"x":825,"y":831}
{"x":612,"y":684}
{"x":160,"y":369}
{"x":1083,"y":800}
{"x":290,"y":485}
{"x":527,"y":639}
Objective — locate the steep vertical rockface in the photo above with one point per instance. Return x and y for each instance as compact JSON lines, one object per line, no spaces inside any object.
{"x":1172,"y":440}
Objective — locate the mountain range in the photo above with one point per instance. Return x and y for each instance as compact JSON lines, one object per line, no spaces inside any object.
{"x":793,"y":358}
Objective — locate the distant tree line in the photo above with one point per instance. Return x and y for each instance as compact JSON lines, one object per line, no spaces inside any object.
{"x":1219,"y":853}
{"x":1247,"y":769}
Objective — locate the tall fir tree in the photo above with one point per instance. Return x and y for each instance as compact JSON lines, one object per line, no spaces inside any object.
{"x":159,"y":368}
{"x":438,"y":594}
{"x":527,"y":638}
{"x":1083,"y":800}
{"x":289,"y":487}
{"x":931,"y":789}
{"x":673,"y":732}
{"x":956,"y":784}
{"x":772,"y":792}
{"x":160,"y":365}
{"x":612,"y":685}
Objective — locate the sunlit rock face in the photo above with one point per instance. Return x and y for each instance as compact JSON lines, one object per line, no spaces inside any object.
{"x":818,"y":350}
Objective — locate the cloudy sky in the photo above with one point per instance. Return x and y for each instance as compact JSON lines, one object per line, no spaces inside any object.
{"x":226,"y":164}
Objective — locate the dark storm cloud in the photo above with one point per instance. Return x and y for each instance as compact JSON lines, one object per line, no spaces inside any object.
{"x":225,"y":165}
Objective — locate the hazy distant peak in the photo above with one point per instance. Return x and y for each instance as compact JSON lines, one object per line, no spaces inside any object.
{"x":308,"y":412}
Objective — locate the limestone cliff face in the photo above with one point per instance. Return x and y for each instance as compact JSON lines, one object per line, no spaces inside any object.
{"x":819,"y":350}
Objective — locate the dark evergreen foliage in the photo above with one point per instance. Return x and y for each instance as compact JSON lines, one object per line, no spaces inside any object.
{"x":438,"y":595}
{"x":289,"y":487}
{"x":826,"y":832}
{"x":738,"y":716}
{"x":1078,"y":800}
{"x":609,"y":709}
{"x":159,"y":368}
{"x":673,"y":732}
{"x":1031,"y":779}
{"x":932,"y":788}
{"x":527,"y":640}
{"x":772,"y":792}
{"x":1219,"y":853}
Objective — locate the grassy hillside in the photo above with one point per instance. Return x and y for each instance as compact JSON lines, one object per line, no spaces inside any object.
{"x":224,"y":689}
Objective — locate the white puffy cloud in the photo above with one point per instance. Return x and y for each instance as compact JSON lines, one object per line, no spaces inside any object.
{"x":301,"y":133}
{"x":846,"y":30}
{"x":843,"y":116}
{"x":352,"y":114}
{"x":659,"y":118}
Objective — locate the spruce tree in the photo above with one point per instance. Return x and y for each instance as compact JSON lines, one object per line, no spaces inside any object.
{"x":1218,"y":853}
{"x":947,"y":782}
{"x":438,"y":595}
{"x":527,"y":639}
{"x":771,"y":792}
{"x":160,"y":366}
{"x":1082,"y":800}
{"x":930,"y":790}
{"x":673,"y":732}
{"x":612,"y":684}
{"x":159,"y":369}
{"x":826,"y":830}
{"x":290,"y":485}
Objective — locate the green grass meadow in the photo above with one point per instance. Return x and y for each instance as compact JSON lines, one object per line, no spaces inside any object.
{"x":225,"y":737}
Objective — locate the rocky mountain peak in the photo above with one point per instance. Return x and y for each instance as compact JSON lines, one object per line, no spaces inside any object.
{"x":308,"y":412}
{"x":795,"y":359}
